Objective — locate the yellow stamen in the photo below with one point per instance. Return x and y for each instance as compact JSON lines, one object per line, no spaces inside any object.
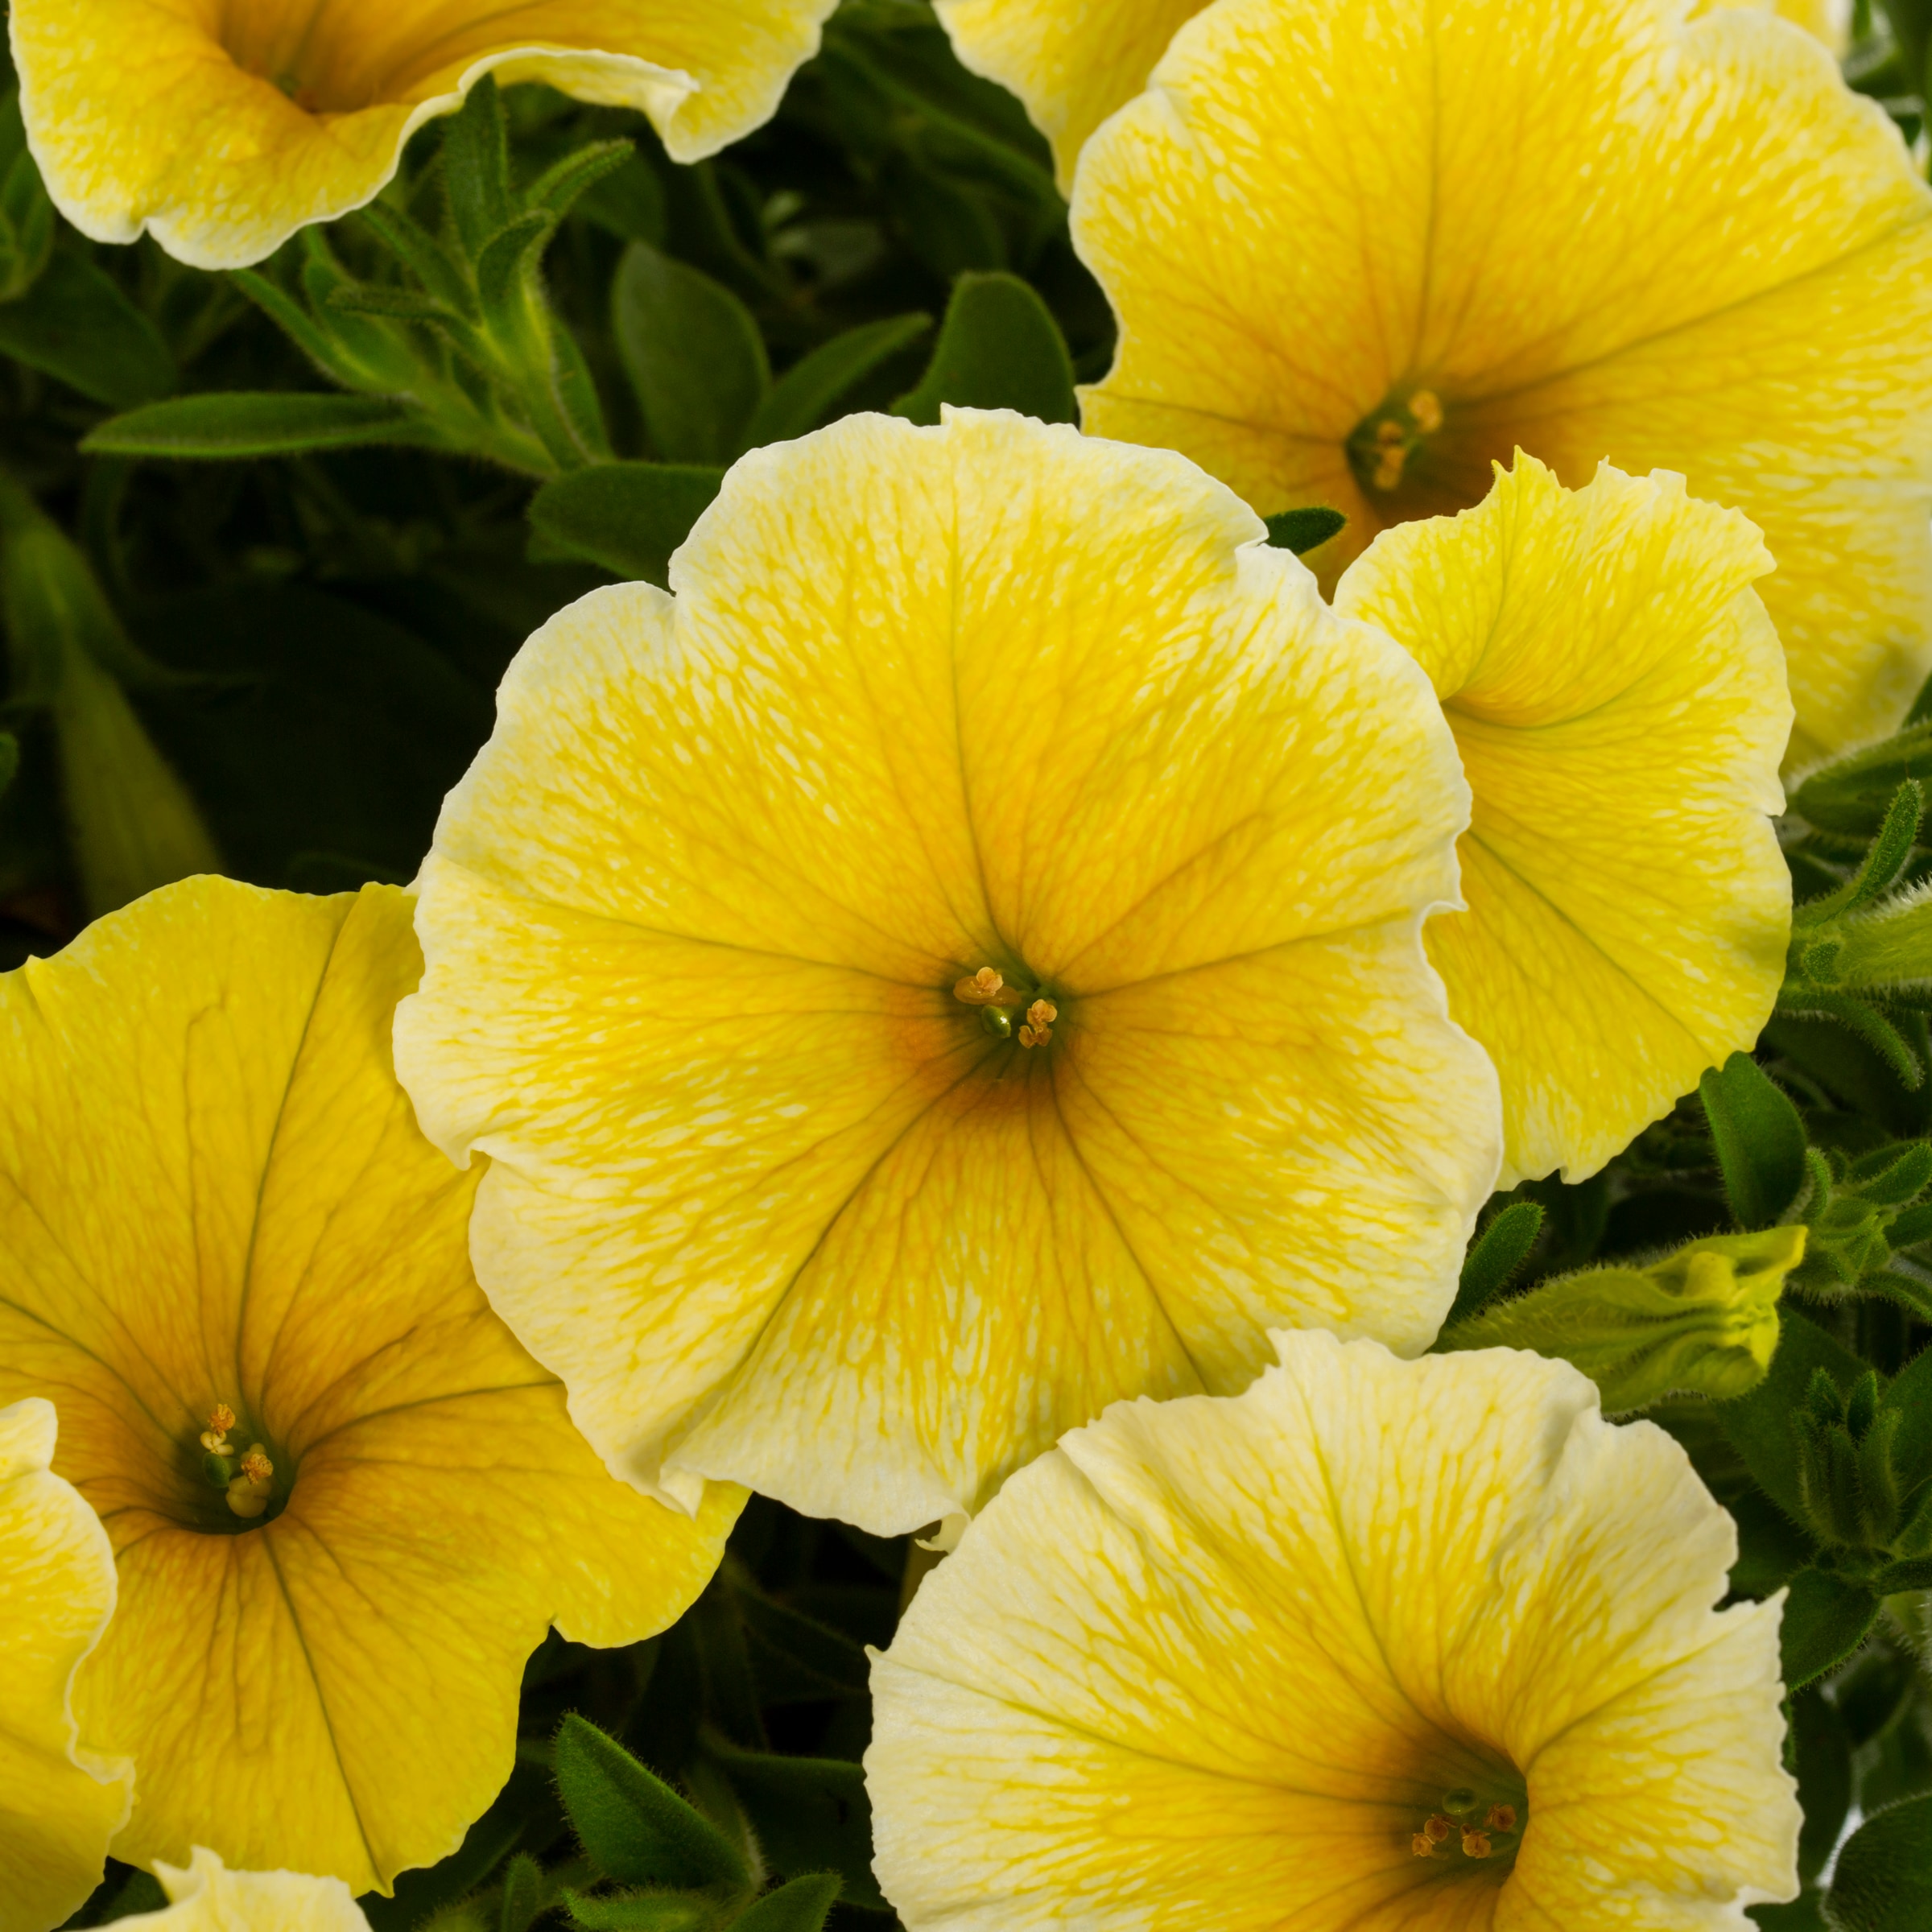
{"x":1423,"y":1845}
{"x":1039,"y":1029}
{"x":217,"y":1445}
{"x":1427,"y":410}
{"x":221,"y":1419}
{"x":1475,"y":1844}
{"x":256,"y":1470}
{"x":1389,"y":470}
{"x":1438,"y":1829}
{"x":979,"y":989}
{"x":1389,"y":434}
{"x":1502,"y":1817}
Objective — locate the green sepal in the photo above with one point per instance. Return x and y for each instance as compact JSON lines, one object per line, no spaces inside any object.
{"x":1758,"y":1138}
{"x":559,"y":186}
{"x":1853,"y":794}
{"x":801,"y":1906}
{"x":476,"y":166}
{"x":76,"y":324}
{"x":646,"y":1912}
{"x":1301,"y":530}
{"x":1703,"y":1319}
{"x":695,"y":357}
{"x":1494,"y":1256}
{"x":810,"y":1815}
{"x":1825,"y":1618}
{"x":420,"y":253}
{"x":628,"y":517}
{"x":522,"y":1894}
{"x":1760,"y":1426}
{"x":234,"y":424}
{"x":809,"y":391}
{"x":508,"y":256}
{"x":633,"y":1827}
{"x":999,"y":348}
{"x":1883,"y":1880}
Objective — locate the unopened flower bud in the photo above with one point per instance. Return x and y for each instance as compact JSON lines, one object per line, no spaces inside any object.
{"x":1703,"y":1319}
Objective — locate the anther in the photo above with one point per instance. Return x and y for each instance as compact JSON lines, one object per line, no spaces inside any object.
{"x":1423,"y":1845}
{"x":1437,"y":1828}
{"x":979,"y":989}
{"x":1502,"y":1817}
{"x":1427,"y":410}
{"x":257,"y":1467}
{"x":221,"y":1419}
{"x":1039,"y":1029}
{"x":1475,"y":1844}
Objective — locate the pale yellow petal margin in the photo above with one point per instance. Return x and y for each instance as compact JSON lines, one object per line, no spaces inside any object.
{"x":1618,"y":697}
{"x":1588,"y":228}
{"x":1071,"y":62}
{"x":59,"y":1806}
{"x":762,"y":1192}
{"x":235,"y":126}
{"x":1213,"y":1661}
{"x":208,"y":1897}
{"x":211,"y":1191}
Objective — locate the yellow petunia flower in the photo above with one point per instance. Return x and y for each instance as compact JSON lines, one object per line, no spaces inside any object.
{"x":954,"y":964}
{"x":1617,"y":694}
{"x":59,"y":1806}
{"x":344,"y":1504}
{"x":1378,"y":1645}
{"x":1073,"y":64}
{"x":1358,"y":252}
{"x":206,"y":1897}
{"x":237,"y":124}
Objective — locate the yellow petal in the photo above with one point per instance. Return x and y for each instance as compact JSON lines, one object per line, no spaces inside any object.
{"x":1071,"y":66}
{"x":1215,"y":1661}
{"x":206,"y":1897}
{"x":1618,"y":697}
{"x":59,"y":1806}
{"x":211,"y":1191}
{"x":240,"y":124}
{"x":1682,"y":246}
{"x":1830,"y":20}
{"x":763,"y":1190}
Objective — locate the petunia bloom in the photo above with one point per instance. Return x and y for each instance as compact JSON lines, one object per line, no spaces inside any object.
{"x":954,"y":964}
{"x":1376,"y":1646}
{"x":235,"y":124}
{"x":1071,"y":66}
{"x":344,"y":1504}
{"x":1618,"y":697}
{"x":1359,"y":252}
{"x":206,"y":1897}
{"x":59,"y":1806}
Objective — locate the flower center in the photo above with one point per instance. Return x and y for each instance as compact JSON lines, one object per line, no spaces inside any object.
{"x":1472,"y":1828}
{"x":1384,"y":444}
{"x":289,"y":46}
{"x":999,"y":1003}
{"x":244,"y":1477}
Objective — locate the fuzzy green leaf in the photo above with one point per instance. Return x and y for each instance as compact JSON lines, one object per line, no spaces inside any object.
{"x":1759,"y":1138}
{"x":1494,"y":1256}
{"x":1883,"y":1882}
{"x":76,"y":324}
{"x":809,"y":392}
{"x":1826,"y":1618}
{"x":800,"y":1906}
{"x":240,"y":423}
{"x":633,"y":1827}
{"x":629,"y":517}
{"x":1301,"y":530}
{"x":999,"y":348}
{"x":810,"y":1815}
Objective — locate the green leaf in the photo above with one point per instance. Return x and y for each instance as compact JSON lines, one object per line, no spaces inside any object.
{"x":76,"y":324}
{"x":558,"y":188}
{"x":810,"y":1815}
{"x":239,"y":424}
{"x":808,"y":393}
{"x":1823,"y":1754}
{"x":1759,"y":1138}
{"x":1301,"y":530}
{"x":10,"y":759}
{"x":693,"y":353}
{"x":1759,"y":1425}
{"x":645,"y":1911}
{"x":818,"y":1661}
{"x":800,"y":1906}
{"x":504,"y":259}
{"x":633,"y":1827}
{"x":999,"y":348}
{"x":1883,"y":1882}
{"x":1852,"y":795}
{"x":1494,"y":1256}
{"x":522,"y":1897}
{"x":629,"y":517}
{"x":1826,"y":1618}
{"x":476,"y":166}
{"x":524,"y":1810}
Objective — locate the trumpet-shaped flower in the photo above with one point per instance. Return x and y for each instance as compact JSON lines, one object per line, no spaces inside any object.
{"x":206,"y":1897}
{"x":1358,"y":252}
{"x":344,"y":1504}
{"x":955,"y":963}
{"x":1618,"y":697}
{"x":59,"y":1806}
{"x":1072,"y":66}
{"x":234,"y":124}
{"x":1378,"y":1646}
